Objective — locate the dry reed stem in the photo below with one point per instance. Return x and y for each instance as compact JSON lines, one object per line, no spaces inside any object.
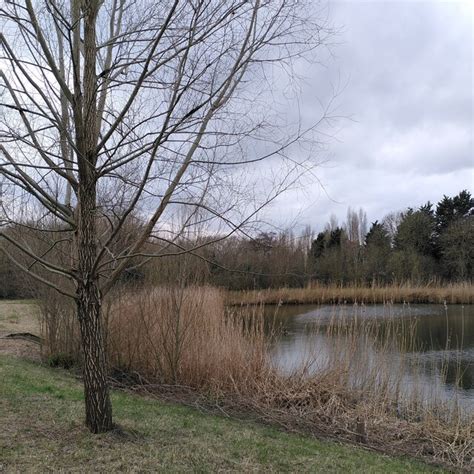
{"x":458,"y":293}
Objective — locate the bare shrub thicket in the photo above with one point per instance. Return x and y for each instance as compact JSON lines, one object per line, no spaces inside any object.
{"x":59,"y":326}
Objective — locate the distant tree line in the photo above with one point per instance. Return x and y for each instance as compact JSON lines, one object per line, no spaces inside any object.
{"x":428,"y":243}
{"x":423,"y":244}
{"x":432,"y":242}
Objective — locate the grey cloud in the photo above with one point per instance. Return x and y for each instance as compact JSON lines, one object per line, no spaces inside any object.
{"x":409,"y":73}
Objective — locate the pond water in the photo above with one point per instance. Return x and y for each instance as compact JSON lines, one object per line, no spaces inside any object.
{"x":438,"y":361}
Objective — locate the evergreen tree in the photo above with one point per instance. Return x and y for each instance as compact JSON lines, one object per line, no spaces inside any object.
{"x":450,"y":209}
{"x":318,"y":245}
{"x":416,"y":233}
{"x":376,"y":253}
{"x":377,"y":236}
{"x":335,"y":238}
{"x":457,"y":249}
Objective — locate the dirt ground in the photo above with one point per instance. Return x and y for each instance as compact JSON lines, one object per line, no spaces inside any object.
{"x":19,"y":317}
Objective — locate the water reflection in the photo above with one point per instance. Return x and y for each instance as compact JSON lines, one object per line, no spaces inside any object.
{"x":439,"y":356}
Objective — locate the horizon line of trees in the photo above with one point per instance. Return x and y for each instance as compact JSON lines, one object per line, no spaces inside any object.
{"x":428,"y":243}
{"x":431,"y":242}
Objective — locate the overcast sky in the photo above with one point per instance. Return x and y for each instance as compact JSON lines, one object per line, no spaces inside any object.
{"x":407,"y":73}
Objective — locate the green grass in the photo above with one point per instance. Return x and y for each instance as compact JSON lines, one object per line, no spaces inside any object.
{"x":41,"y":411}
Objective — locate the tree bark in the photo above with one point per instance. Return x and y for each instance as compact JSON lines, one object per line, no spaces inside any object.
{"x":96,"y":389}
{"x":89,"y":312}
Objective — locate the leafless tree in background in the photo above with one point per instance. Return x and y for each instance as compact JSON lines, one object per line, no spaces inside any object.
{"x":356,"y":225}
{"x":115,"y":108}
{"x":391,"y":223}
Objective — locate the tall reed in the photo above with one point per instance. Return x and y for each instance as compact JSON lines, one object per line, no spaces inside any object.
{"x":456,"y":293}
{"x":182,"y":336}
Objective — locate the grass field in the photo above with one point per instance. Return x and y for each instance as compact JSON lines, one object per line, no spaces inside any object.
{"x":42,"y":410}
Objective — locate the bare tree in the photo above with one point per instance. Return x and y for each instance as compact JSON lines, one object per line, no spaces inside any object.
{"x":118,"y":108}
{"x":391,"y":222}
{"x":352,"y":225}
{"x":363,"y":228}
{"x":356,"y":225}
{"x":333,"y":223}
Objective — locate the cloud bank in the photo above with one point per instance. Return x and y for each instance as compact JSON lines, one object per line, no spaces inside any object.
{"x":407,"y":73}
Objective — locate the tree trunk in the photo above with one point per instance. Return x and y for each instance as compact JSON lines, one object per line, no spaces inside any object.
{"x":96,"y":389}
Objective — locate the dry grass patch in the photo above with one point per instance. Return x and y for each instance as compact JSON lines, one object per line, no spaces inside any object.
{"x":181,"y":336}
{"x":19,"y":316}
{"x":459,"y":293}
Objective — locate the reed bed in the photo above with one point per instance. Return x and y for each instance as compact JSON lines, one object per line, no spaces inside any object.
{"x":180,"y":337}
{"x":185,"y":344}
{"x":456,"y":293}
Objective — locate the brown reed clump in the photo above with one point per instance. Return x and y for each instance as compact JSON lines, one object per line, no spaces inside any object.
{"x":455,"y":293}
{"x":182,"y":336}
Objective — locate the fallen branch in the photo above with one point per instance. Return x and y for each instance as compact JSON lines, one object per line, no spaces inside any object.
{"x":26,"y":336}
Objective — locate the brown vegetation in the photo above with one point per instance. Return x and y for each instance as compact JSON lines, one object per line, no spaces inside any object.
{"x":180,"y":336}
{"x":455,"y":293}
{"x":183,"y":341}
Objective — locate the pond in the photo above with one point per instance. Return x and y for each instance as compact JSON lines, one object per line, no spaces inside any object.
{"x":438,"y":359}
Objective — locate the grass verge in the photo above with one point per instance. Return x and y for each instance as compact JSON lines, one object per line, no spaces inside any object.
{"x":42,"y":410}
